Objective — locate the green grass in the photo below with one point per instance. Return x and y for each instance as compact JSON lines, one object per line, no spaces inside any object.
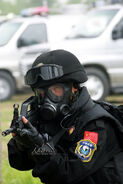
{"x":10,"y":175}
{"x":13,"y":176}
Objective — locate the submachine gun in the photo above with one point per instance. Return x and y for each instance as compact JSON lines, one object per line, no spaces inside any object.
{"x":29,"y":109}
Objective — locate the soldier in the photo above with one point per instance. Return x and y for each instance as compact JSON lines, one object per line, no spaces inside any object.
{"x":74,"y":141}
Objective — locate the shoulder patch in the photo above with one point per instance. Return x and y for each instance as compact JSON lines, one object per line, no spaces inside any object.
{"x":86,"y":147}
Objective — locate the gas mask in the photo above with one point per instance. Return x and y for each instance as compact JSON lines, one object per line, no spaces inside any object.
{"x":54,"y":100}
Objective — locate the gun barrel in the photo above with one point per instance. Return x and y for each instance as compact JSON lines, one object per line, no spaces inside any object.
{"x":7,"y":132}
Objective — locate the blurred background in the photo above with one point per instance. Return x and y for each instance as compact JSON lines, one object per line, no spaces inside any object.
{"x":91,"y":29}
{"x":55,"y":6}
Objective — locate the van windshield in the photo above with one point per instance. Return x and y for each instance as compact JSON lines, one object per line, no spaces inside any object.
{"x":93,"y":24}
{"x":7,"y":30}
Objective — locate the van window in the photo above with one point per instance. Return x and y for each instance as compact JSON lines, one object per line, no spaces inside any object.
{"x":93,"y":24}
{"x":34,"y":34}
{"x":119,"y":24}
{"x":117,"y":32}
{"x":7,"y":30}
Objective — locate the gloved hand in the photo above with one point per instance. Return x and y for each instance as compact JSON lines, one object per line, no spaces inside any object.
{"x":28,"y":137}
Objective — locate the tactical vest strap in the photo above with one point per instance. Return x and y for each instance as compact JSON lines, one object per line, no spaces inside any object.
{"x":95,"y":113}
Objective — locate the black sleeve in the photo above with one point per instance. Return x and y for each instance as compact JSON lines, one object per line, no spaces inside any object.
{"x":69,"y":168}
{"x":19,"y":159}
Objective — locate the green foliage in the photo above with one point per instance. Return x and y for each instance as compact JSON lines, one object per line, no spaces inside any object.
{"x":13,"y":176}
{"x":51,"y":3}
{"x":35,"y":2}
{"x":7,"y":7}
{"x":74,"y":1}
{"x":89,"y":2}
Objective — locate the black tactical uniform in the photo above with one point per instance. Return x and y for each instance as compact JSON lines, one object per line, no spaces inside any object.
{"x":85,"y":153}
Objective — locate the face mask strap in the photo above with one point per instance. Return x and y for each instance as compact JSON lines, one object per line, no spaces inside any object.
{"x":38,"y":95}
{"x":74,"y":93}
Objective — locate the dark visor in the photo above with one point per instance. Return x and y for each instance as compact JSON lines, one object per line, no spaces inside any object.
{"x":45,"y":72}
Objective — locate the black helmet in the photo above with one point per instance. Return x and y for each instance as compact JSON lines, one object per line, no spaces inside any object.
{"x":55,"y":66}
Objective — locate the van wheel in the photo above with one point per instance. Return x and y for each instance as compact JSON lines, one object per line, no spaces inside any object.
{"x":97,"y":84}
{"x":7,"y":86}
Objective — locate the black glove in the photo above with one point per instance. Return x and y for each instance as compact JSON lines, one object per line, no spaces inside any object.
{"x":28,"y":137}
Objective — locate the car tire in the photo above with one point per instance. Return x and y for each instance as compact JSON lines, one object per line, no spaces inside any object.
{"x":7,"y":86}
{"x":97,"y":84}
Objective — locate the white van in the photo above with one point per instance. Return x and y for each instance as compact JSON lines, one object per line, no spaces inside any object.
{"x":97,"y":41}
{"x":21,"y":40}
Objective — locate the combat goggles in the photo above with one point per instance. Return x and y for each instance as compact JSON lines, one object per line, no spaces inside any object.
{"x":45,"y":72}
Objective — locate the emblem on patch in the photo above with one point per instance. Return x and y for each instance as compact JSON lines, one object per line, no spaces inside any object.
{"x":87,"y":146}
{"x":85,"y":150}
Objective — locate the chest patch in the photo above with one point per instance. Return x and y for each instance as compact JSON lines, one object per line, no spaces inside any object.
{"x":86,"y":147}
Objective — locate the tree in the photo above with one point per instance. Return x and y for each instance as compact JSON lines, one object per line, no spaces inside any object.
{"x":74,"y":1}
{"x":35,"y":3}
{"x":7,"y":7}
{"x":88,"y":2}
{"x":51,"y":3}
